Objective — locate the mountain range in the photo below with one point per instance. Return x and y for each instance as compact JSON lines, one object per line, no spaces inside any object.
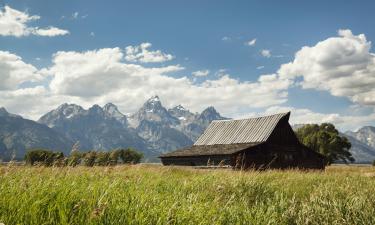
{"x":153,"y":129}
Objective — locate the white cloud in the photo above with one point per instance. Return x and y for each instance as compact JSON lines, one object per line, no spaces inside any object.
{"x":306,"y":116}
{"x":50,"y":31}
{"x":14,"y":23}
{"x":14,"y":71}
{"x":342,"y":65}
{"x":101,"y":76}
{"x":201,"y":73}
{"x":266,"y":53}
{"x":75,"y":15}
{"x":260,"y":67}
{"x":251,"y":42}
{"x":225,"y":38}
{"x":141,"y":53}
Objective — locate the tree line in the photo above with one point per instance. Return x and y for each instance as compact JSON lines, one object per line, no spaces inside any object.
{"x":91,"y":158}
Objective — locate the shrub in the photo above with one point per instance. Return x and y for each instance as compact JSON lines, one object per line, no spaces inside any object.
{"x":74,"y":159}
{"x":42,"y":156}
{"x":102,"y":159}
{"x":89,"y":158}
{"x":130,"y":156}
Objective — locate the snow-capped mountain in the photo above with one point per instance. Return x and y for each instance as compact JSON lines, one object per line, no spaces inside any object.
{"x":151,"y":129}
{"x":363,"y":143}
{"x":152,"y":110}
{"x":365,"y":134}
{"x":96,"y":128}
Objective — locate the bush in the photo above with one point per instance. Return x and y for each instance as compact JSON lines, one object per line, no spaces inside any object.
{"x":89,"y":158}
{"x":373,"y":163}
{"x":75,"y":158}
{"x":102,"y":159}
{"x":42,"y":156}
{"x":130,"y":156}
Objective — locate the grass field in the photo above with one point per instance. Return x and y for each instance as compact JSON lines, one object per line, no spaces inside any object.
{"x":146,"y":194}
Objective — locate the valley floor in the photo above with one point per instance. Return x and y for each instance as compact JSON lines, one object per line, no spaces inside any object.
{"x":153,"y":194}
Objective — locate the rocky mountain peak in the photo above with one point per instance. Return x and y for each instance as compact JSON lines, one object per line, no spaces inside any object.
{"x":153,"y":104}
{"x":68,"y":110}
{"x":210,"y":114}
{"x":112,"y":111}
{"x":3,"y":111}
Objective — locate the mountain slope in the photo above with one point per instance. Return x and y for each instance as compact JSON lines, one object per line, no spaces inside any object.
{"x":95,"y":128}
{"x":18,"y":134}
{"x":363,"y":143}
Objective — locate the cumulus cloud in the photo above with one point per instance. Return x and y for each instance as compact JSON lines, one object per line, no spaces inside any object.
{"x":266,"y":53}
{"x":14,"y":23}
{"x":141,"y":53}
{"x":201,"y":73}
{"x":307,"y":116}
{"x":102,"y":76}
{"x":14,"y":71}
{"x":342,"y":65}
{"x":251,"y":42}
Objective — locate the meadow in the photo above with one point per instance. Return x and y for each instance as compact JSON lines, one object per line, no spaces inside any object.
{"x":153,"y":194}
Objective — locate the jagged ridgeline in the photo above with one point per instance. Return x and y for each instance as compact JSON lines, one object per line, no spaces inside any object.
{"x":152,"y":129}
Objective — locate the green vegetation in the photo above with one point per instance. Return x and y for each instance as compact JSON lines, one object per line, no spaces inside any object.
{"x":92,"y":158}
{"x":43,"y":157}
{"x":145,"y":194}
{"x":326,"y":140}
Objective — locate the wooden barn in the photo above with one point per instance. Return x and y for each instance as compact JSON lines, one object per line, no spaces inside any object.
{"x":259,"y":143}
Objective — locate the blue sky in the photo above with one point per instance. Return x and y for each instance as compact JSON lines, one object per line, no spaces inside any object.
{"x":200,"y":36}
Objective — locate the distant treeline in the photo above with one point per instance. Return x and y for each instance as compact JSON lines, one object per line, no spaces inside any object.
{"x":91,"y":158}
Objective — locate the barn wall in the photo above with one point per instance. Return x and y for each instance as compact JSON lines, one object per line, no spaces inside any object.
{"x":278,"y":157}
{"x":283,"y":134}
{"x":196,"y":160}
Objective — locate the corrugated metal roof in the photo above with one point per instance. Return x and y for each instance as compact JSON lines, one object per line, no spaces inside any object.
{"x":253,"y":130}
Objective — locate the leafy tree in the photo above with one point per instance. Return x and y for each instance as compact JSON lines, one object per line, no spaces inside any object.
{"x":130,"y":156}
{"x":102,"y":159}
{"x":113,"y":157}
{"x":74,"y":158}
{"x":326,"y":140}
{"x":89,"y":158}
{"x":373,"y":163}
{"x":42,"y":156}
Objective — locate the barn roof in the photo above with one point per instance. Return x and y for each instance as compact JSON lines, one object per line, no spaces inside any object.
{"x":223,"y":137}
{"x":253,"y":130}
{"x":200,"y":150}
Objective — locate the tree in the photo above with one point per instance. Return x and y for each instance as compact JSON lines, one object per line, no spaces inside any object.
{"x":326,"y":140}
{"x":42,"y":156}
{"x":102,"y":159}
{"x":74,"y":158}
{"x":130,"y":156}
{"x":89,"y":158}
{"x":113,"y":157}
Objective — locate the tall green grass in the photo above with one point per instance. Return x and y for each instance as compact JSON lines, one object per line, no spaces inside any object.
{"x":170,"y":195}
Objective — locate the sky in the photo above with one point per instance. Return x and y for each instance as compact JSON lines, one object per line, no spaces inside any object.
{"x":245,"y":58}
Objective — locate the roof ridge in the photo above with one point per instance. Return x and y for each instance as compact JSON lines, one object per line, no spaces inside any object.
{"x":258,"y":117}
